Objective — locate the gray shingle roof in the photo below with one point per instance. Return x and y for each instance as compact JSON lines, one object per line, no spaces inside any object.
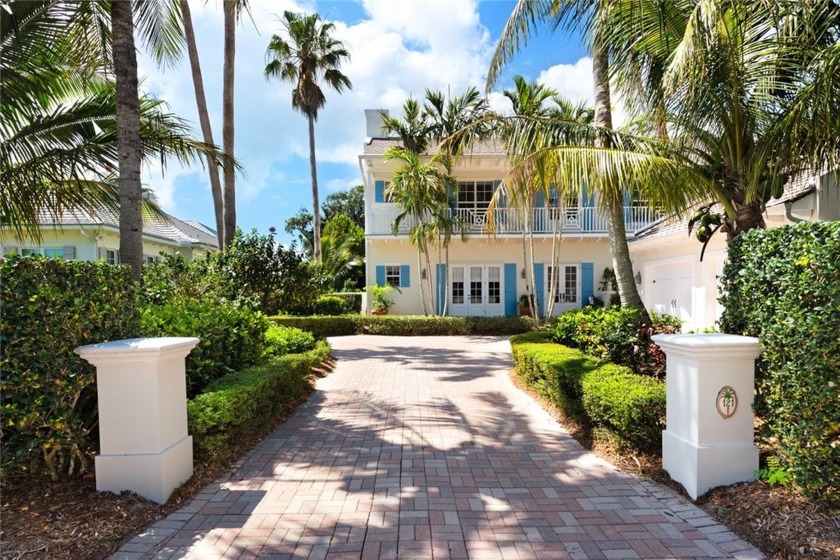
{"x":170,"y":229}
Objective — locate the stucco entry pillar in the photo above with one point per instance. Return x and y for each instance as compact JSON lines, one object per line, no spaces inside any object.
{"x":142,"y":392}
{"x":708,"y":439}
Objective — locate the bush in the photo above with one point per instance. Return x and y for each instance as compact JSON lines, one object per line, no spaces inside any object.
{"x":630,"y":406}
{"x":783,"y":286}
{"x":280,"y":340}
{"x":407,"y":325}
{"x":231,"y":337}
{"x":48,"y":308}
{"x":249,"y":402}
{"x":615,"y":335}
{"x":330,"y":305}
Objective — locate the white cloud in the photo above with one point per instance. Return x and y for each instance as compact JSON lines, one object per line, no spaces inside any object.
{"x":574,"y":81}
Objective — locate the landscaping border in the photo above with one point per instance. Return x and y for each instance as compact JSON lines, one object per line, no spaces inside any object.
{"x":407,"y":325}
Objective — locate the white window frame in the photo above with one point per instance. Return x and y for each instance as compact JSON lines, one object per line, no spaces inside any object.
{"x":390,"y":275}
{"x":578,"y":286}
{"x":111,"y":256}
{"x":49,"y":252}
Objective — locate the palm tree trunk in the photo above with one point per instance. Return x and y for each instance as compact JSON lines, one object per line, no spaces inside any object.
{"x":227,"y":121}
{"x":316,"y":206}
{"x":420,"y":267}
{"x":622,"y":264}
{"x":129,"y":150}
{"x":204,"y":119}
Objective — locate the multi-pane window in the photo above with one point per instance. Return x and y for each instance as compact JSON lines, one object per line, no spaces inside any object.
{"x":475,"y":284}
{"x":636,"y":198}
{"x":475,"y":195}
{"x":47,"y":252}
{"x":458,"y":285}
{"x":566,"y":277}
{"x":494,"y":284}
{"x":392,"y":275}
{"x":571,"y":205}
{"x":111,"y":256}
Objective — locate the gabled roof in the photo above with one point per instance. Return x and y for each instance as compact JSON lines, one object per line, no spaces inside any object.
{"x":378,"y":147}
{"x":169,"y":228}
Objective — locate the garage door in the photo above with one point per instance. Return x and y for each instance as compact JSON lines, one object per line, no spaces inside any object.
{"x":671,"y":292}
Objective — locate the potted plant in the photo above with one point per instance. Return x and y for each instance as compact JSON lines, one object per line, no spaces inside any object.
{"x":379,"y":300}
{"x":525,"y":304}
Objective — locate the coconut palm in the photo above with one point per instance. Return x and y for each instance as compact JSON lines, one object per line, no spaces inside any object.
{"x":413,"y":128}
{"x":307,"y":56}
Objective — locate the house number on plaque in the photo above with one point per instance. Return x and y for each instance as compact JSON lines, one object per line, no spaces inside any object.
{"x":727,"y":402}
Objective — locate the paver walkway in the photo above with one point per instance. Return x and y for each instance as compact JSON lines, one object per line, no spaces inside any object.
{"x":423,"y":448}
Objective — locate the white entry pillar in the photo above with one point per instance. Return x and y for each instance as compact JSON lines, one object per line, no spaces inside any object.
{"x":142,"y":393}
{"x":708,"y":439}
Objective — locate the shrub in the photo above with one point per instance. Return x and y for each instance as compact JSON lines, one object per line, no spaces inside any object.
{"x":248,"y":402}
{"x":615,"y":335}
{"x":598,"y":394}
{"x":231,"y":337}
{"x":48,"y":308}
{"x":280,"y":340}
{"x":783,"y":286}
{"x":330,"y":305}
{"x":407,"y":325}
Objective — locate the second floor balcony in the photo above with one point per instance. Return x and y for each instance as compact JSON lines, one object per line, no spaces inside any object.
{"x":510,"y":221}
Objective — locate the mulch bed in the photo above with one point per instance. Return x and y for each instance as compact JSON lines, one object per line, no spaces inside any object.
{"x":70,"y":520}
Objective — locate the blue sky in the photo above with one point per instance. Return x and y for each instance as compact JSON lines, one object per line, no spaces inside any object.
{"x":398,"y":48}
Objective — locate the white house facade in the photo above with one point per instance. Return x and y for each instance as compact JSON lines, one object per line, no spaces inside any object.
{"x":673,"y":278}
{"x":79,"y":236}
{"x":487,"y":272}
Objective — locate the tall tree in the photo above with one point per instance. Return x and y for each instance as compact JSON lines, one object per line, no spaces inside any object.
{"x":129,"y":149}
{"x":307,"y":56}
{"x":204,"y":119}
{"x":231,"y":10}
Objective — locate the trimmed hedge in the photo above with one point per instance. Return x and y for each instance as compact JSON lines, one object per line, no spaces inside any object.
{"x":248,"y":402}
{"x":231,"y":337}
{"x":407,"y":325}
{"x":598,"y":394}
{"x":48,"y":308}
{"x":280,"y":340}
{"x":783,"y":286}
{"x":330,"y":305}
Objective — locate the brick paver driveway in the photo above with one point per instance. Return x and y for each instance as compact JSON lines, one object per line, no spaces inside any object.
{"x":422,"y":448}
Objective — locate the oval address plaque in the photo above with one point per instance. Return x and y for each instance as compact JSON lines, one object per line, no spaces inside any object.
{"x":727,"y":402}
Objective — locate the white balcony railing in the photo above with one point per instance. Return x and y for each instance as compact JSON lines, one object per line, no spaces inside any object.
{"x":511,"y":221}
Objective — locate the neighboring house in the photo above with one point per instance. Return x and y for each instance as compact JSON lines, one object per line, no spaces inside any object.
{"x":667,"y":259}
{"x":77,"y":235}
{"x":487,"y":273}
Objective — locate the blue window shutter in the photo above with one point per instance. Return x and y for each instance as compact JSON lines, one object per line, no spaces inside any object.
{"x":440,"y":287}
{"x":587,"y":197}
{"x":510,"y":289}
{"x":380,"y":275}
{"x":587,"y":283}
{"x":405,"y":277}
{"x":539,"y":286}
{"x":501,"y":202}
{"x":540,"y":200}
{"x":379,"y":191}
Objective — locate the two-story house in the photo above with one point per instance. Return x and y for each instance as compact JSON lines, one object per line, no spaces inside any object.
{"x":487,"y":272}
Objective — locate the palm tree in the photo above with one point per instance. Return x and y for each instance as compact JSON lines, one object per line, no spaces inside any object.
{"x":204,"y":119}
{"x":421,"y":190}
{"x":586,"y":15}
{"x":231,"y":9}
{"x":306,"y":56}
{"x":413,"y":129}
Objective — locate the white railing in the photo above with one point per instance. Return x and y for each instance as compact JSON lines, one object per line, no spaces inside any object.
{"x":511,"y":221}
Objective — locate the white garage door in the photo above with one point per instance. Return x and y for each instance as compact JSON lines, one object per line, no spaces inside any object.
{"x":671,"y":292}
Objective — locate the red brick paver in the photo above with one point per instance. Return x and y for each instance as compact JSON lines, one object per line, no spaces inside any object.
{"x":422,"y":448}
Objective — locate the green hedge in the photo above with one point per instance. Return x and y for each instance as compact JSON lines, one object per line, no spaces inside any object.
{"x":48,"y":308}
{"x":231,"y":337}
{"x":783,"y":286}
{"x":598,"y":394}
{"x":280,"y":340}
{"x":248,"y":402}
{"x":408,"y":325}
{"x":615,"y":335}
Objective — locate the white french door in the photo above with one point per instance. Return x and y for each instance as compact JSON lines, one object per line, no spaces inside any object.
{"x":476,"y":290}
{"x":568,"y":293}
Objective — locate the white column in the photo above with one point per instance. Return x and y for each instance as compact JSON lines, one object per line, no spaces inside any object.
{"x":708,"y":439}
{"x":142,"y":393}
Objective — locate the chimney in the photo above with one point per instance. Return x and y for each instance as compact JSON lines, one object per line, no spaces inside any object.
{"x":373,"y":118}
